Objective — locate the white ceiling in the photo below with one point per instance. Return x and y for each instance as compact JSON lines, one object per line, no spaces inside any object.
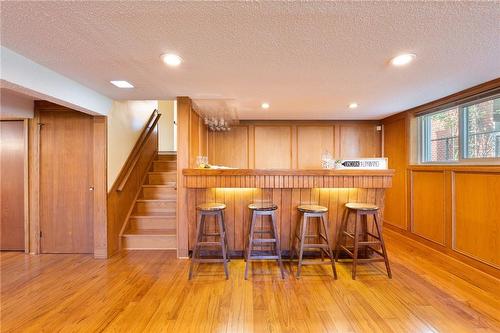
{"x":308,"y":60}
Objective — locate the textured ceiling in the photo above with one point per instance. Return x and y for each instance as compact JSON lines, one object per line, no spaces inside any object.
{"x":308,"y":60}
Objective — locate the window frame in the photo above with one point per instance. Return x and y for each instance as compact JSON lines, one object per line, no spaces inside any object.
{"x":424,"y":137}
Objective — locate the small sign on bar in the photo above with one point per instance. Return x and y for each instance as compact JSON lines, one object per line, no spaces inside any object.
{"x":363,"y":163}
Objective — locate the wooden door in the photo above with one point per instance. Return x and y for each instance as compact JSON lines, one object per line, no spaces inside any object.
{"x":12,"y":159}
{"x":66,"y":176}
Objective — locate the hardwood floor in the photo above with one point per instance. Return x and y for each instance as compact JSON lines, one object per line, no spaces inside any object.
{"x":148,"y":291}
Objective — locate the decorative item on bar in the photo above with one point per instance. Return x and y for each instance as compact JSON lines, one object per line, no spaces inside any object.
{"x":202,"y":162}
{"x":218,"y":125}
{"x":362,"y":163}
{"x":327,"y":162}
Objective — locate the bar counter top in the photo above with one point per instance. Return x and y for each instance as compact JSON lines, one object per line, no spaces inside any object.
{"x":285,"y":172}
{"x":287,"y":178}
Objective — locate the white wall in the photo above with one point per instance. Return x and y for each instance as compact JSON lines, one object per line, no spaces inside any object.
{"x":26,"y":76}
{"x":14,"y":105}
{"x":126,"y":120}
{"x":166,"y":135}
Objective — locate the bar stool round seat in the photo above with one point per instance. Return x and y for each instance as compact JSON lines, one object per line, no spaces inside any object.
{"x":361,"y":206}
{"x":312,"y":209}
{"x":263,"y":206}
{"x":211,"y":206}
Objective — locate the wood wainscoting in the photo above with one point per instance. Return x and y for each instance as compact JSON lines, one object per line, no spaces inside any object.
{"x":476,"y":214}
{"x":458,"y":208}
{"x":452,"y":208}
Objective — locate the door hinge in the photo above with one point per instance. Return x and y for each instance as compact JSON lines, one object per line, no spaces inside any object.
{"x":40,"y":125}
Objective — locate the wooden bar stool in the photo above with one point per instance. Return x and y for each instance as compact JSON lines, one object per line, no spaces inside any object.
{"x":263,"y":209}
{"x":210,"y":209}
{"x":323,"y":240}
{"x":362,"y":211}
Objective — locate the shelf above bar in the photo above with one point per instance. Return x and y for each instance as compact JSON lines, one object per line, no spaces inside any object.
{"x":287,"y":178}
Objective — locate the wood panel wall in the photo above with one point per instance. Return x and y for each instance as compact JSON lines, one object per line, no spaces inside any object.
{"x":451,"y":208}
{"x":476,"y":226}
{"x":292,"y":144}
{"x":428,"y":205}
{"x":12,"y":184}
{"x":395,"y":149}
{"x":198,"y":137}
{"x":237,"y":214}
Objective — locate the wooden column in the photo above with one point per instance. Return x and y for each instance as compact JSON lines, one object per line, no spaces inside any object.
{"x":100,"y":188}
{"x":183,"y":114}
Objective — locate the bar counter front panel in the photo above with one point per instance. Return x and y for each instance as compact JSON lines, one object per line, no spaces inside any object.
{"x":287,"y":188}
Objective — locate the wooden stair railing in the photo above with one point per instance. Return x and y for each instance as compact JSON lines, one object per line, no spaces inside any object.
{"x":136,"y":151}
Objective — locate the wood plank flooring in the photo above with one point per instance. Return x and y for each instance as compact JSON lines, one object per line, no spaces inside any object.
{"x":148,"y":291}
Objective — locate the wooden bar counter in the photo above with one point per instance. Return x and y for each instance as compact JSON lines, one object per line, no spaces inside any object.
{"x":286,"y":188}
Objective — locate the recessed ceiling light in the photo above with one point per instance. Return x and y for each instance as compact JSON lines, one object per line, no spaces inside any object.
{"x":122,"y":84}
{"x":353,"y":105}
{"x":171,"y":59}
{"x":265,"y":105}
{"x":403,"y":59}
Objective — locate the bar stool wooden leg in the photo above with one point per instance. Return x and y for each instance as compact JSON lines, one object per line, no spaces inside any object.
{"x":250,"y":244}
{"x":356,"y":246}
{"x":295,"y":239}
{"x":225,"y":235}
{"x":340,"y":233}
{"x":382,"y":244}
{"x":201,"y":220}
{"x":320,"y":239}
{"x":277,"y":244}
{"x":223,"y":242}
{"x":330,"y":253}
{"x":302,"y":240}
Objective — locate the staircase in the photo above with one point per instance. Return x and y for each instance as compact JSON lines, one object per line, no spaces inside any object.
{"x":152,"y":223}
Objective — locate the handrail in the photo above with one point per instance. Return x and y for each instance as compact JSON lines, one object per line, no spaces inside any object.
{"x":136,"y":151}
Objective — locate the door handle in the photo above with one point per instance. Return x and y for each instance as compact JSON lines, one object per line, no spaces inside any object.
{"x":91,"y":188}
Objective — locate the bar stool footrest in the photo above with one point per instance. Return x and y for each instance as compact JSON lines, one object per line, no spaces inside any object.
{"x":208,"y":244}
{"x":315,"y":246}
{"x":212,"y":234}
{"x":263,"y":258}
{"x":315,"y":262}
{"x":208,"y":260}
{"x":368,"y":243}
{"x":264,"y":240}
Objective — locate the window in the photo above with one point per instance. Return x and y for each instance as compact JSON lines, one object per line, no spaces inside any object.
{"x":468,"y":131}
{"x":482,"y":129}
